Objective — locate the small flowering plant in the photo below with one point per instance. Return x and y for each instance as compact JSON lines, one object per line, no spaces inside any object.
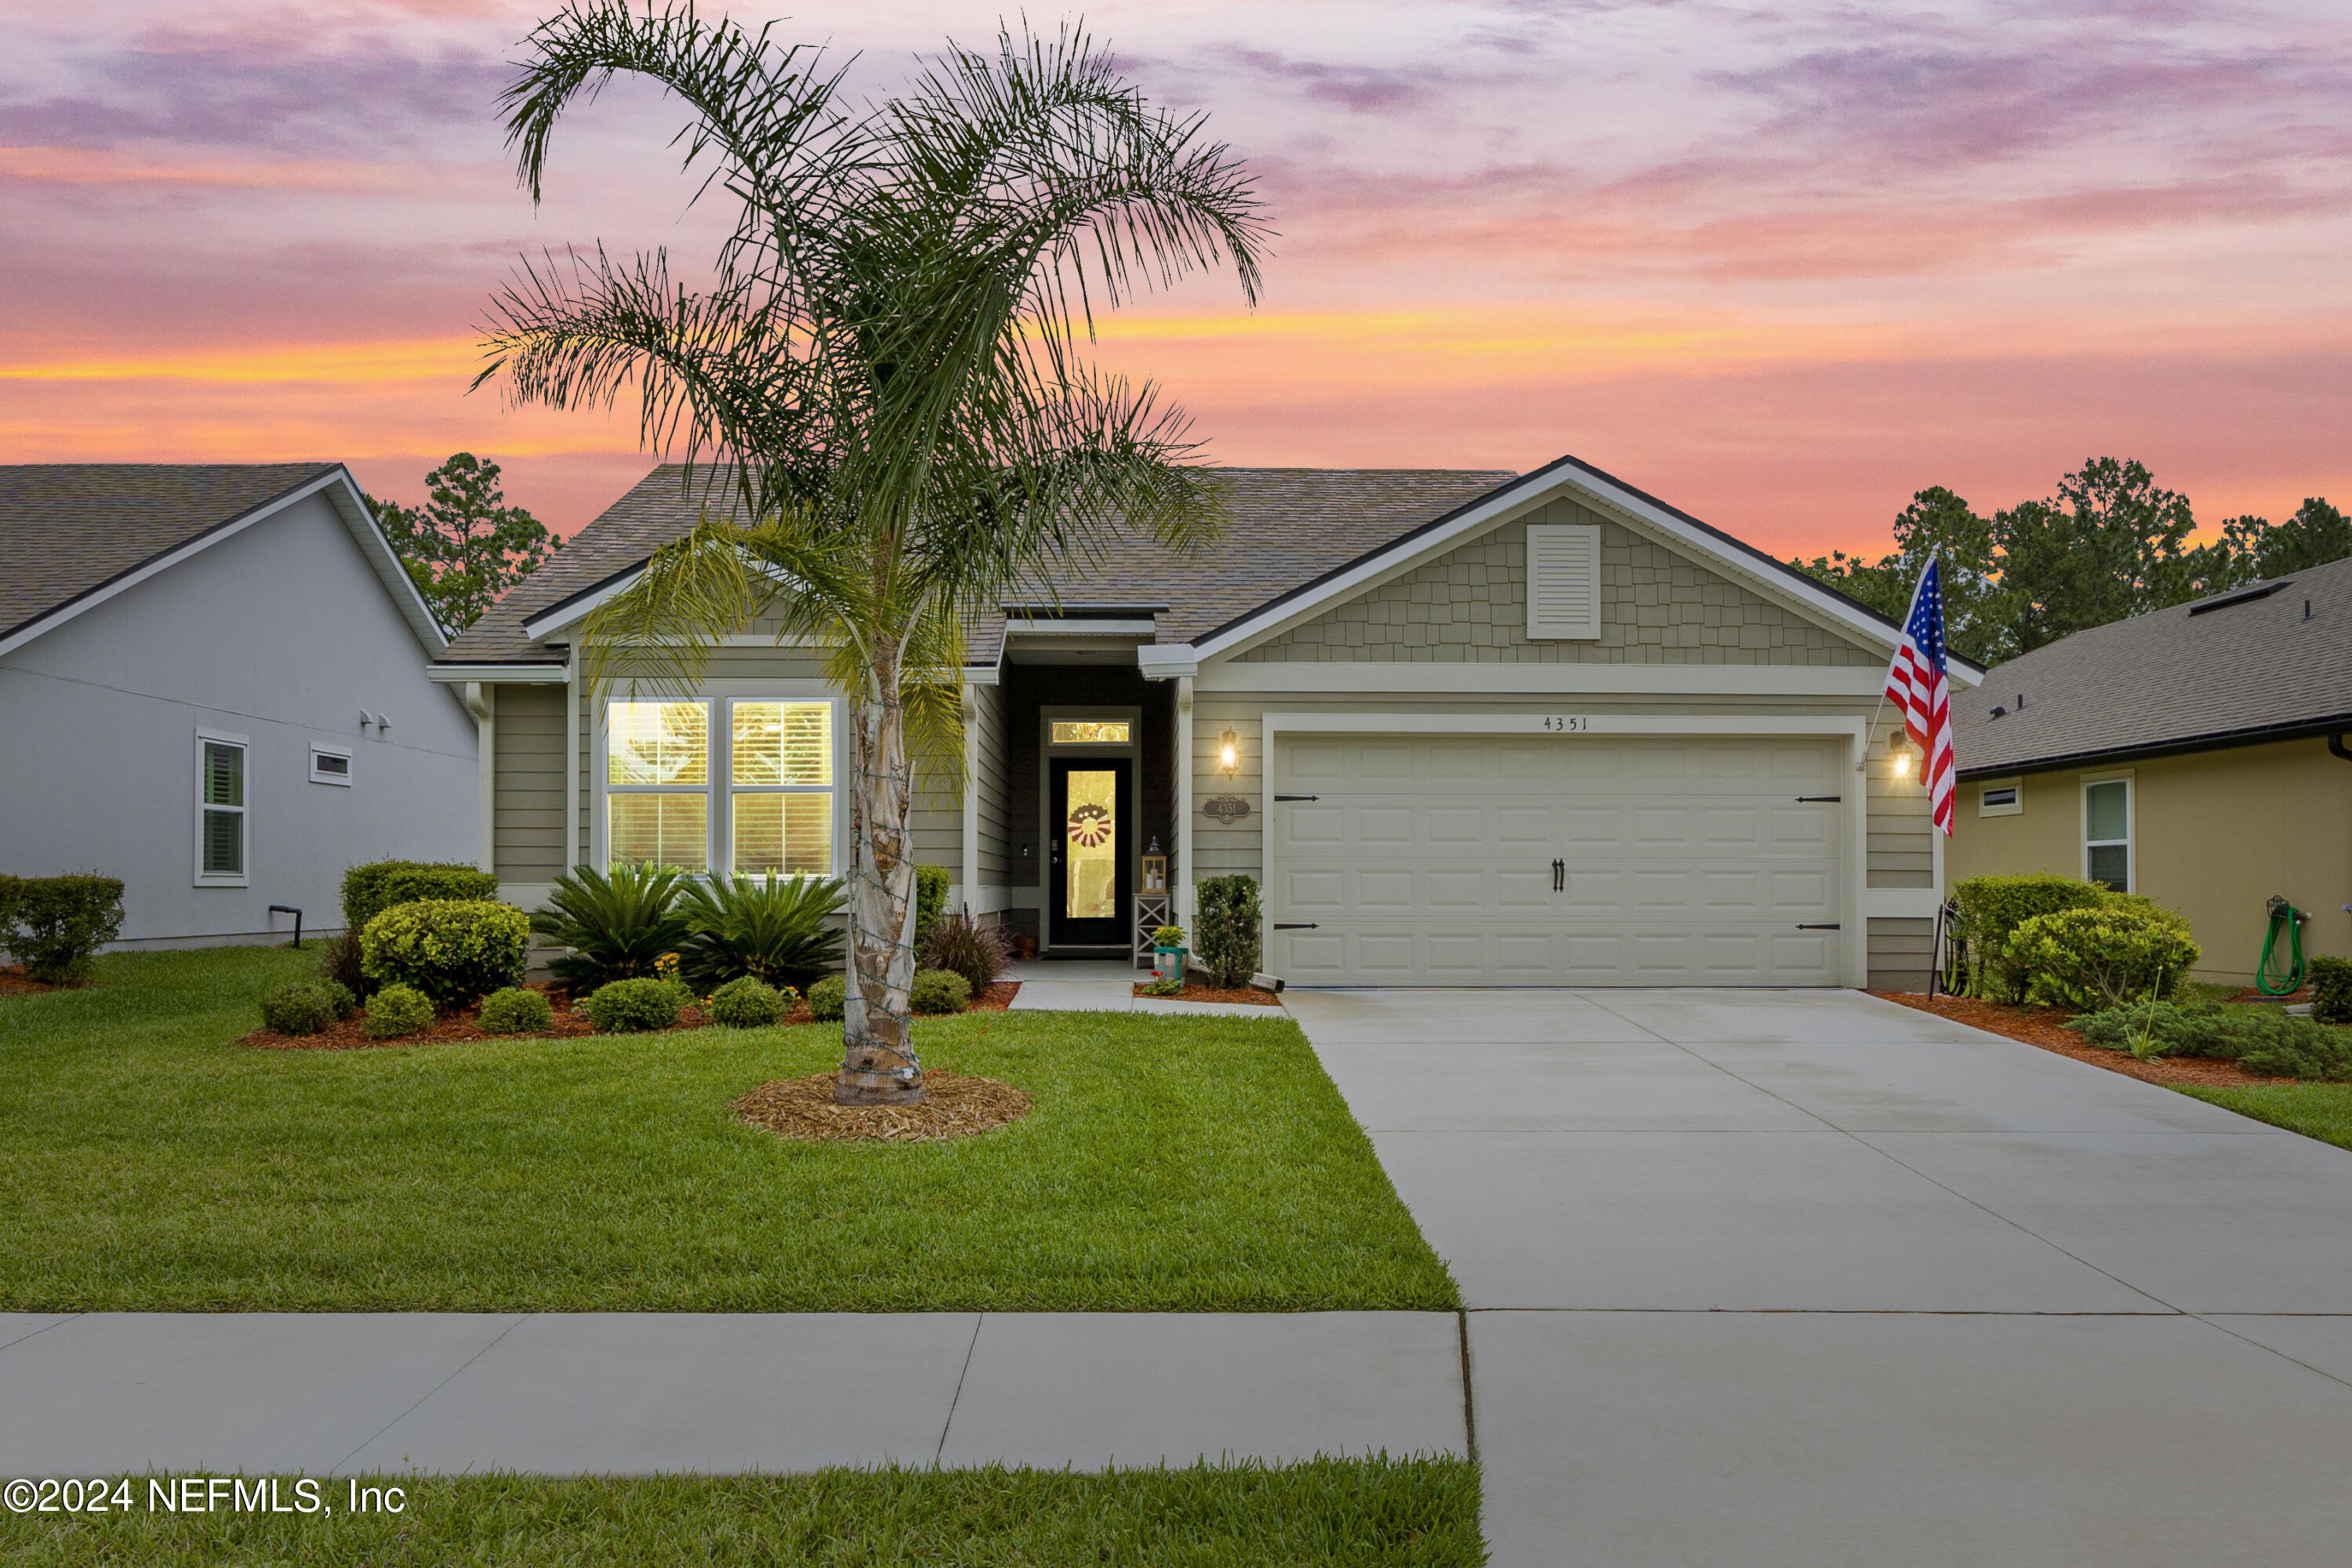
{"x":1168,"y":936}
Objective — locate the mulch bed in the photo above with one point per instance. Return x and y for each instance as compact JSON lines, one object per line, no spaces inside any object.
{"x":2045,"y":1026}
{"x":954,"y":1105}
{"x":466,"y":1024}
{"x":16,"y":982}
{"x":1199,"y":990}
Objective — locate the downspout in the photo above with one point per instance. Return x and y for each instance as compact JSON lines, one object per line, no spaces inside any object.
{"x":481,"y":701}
{"x":2336,"y":747}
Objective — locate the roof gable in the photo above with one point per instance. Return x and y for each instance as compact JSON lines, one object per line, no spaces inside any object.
{"x":72,"y":535}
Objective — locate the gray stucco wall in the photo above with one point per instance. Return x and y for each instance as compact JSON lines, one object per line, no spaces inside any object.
{"x":281,"y":633}
{"x":1470,"y":605}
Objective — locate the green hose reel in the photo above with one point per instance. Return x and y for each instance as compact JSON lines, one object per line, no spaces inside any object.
{"x":2268,"y":979}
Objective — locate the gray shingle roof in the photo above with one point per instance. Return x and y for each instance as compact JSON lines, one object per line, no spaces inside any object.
{"x":1284,"y":527}
{"x":2171,"y":680}
{"x":68,"y":529}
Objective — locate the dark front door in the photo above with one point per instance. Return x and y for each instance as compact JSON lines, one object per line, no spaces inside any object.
{"x":1093,"y":803}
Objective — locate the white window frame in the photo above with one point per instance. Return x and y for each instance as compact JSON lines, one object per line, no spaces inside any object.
{"x":726,"y":786}
{"x":717,"y":698}
{"x":319,"y":776}
{"x":2130,"y":840}
{"x":2013,"y":806}
{"x":243,"y":876}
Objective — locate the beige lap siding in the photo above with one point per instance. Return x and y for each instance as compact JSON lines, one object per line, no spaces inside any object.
{"x":527,"y":790}
{"x":1901,"y":952}
{"x":988,"y":781}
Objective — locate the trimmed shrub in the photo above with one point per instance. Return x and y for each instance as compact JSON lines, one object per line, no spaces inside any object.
{"x":398,"y":1010}
{"x":306,"y":1007}
{"x":2331,"y":990}
{"x":779,"y":930}
{"x":828,"y":999}
{"x":2302,"y":1049}
{"x":453,"y":950}
{"x":746,"y":1003}
{"x":54,"y":926}
{"x":516,"y":1011}
{"x":1226,"y":935}
{"x":1993,"y":908}
{"x":962,"y":945}
{"x":372,"y":889}
{"x":938,"y":991}
{"x":634,"y":1006}
{"x":617,"y":927}
{"x":930,"y":900}
{"x":2104,"y":957}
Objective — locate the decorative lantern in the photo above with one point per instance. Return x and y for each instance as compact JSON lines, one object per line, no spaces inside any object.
{"x":1229,"y":752}
{"x":1155,"y":869}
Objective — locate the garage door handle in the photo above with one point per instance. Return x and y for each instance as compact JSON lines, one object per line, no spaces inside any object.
{"x":1820,"y":925}
{"x":1805,"y":799}
{"x":1294,"y":925}
{"x":1559,"y":876}
{"x":1298,"y":797}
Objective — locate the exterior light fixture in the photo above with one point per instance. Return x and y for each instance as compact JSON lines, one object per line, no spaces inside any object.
{"x":1902,"y":755}
{"x":1229,"y":752}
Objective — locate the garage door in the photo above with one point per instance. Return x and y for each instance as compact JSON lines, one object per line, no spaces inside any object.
{"x":1431,"y":862}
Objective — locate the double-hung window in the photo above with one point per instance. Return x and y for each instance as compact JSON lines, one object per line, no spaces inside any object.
{"x":743,"y":784}
{"x":221,"y":824}
{"x":780,"y":794}
{"x":658,"y":784}
{"x":2107,"y":833}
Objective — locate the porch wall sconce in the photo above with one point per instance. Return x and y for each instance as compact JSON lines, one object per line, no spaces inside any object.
{"x":1900,"y":755}
{"x":1229,"y":752}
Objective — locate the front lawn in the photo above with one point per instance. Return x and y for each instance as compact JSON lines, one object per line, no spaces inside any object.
{"x":1325,"y":1514}
{"x":2321,"y":1111}
{"x":1169,"y":1165}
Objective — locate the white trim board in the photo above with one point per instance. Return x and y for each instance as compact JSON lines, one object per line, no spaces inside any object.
{"x":496,"y":674}
{"x":1853,"y":966}
{"x":1368,"y":678}
{"x":343,"y":493}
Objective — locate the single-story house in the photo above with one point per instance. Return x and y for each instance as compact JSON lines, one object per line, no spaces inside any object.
{"x":1468,"y":728}
{"x":212,"y":679}
{"x":2195,"y":754}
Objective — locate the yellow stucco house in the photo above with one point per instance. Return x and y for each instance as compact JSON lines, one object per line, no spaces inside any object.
{"x":2195,"y":754}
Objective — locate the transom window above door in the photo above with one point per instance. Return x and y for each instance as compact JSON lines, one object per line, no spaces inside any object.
{"x":1091,"y":733}
{"x":752,"y":793}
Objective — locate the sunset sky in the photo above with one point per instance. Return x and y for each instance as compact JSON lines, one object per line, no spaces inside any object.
{"x":1780,"y":264}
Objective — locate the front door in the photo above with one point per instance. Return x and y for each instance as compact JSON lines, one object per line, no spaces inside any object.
{"x":1091,"y":886}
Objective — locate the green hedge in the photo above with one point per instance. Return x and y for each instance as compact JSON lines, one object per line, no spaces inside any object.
{"x":453,"y":950}
{"x":1993,"y":908}
{"x":634,"y":1006}
{"x":2123,"y":950}
{"x":372,"y":889}
{"x":2331,"y":990}
{"x":1226,"y":930}
{"x":54,"y":926}
{"x":930,"y":900}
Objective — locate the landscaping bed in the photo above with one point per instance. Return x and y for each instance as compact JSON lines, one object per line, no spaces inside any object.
{"x":14,"y":981}
{"x":2045,"y":1027}
{"x":464,"y":1024}
{"x":1166,"y":1163}
{"x":1202,"y":991}
{"x":954,"y":1105}
{"x":1323,"y":1513}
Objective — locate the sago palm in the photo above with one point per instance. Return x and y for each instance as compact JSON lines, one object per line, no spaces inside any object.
{"x":880,"y":392}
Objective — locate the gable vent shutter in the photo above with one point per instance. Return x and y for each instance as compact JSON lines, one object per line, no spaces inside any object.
{"x":1563,"y":580}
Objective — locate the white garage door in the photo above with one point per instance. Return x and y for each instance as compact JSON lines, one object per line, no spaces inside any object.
{"x":1431,"y":862}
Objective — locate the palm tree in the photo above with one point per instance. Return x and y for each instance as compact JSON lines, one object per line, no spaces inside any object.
{"x":881,"y":390}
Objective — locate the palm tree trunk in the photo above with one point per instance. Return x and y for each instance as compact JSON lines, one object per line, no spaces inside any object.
{"x":878,"y":1064}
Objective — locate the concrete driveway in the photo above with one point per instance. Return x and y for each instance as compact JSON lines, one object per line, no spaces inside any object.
{"x":1807,"y":1278}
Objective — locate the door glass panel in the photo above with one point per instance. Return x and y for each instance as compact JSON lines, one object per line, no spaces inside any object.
{"x":2103,"y":806}
{"x":1091,"y":846}
{"x":1068,"y":732}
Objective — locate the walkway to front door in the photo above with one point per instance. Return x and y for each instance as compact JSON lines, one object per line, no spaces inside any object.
{"x":1805,"y":1278}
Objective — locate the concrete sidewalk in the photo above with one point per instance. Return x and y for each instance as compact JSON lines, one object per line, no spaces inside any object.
{"x":628,"y":1394}
{"x":1790,"y":1280}
{"x":1106,"y":985}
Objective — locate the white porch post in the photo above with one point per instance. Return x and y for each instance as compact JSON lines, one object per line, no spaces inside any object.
{"x":1181,"y":851}
{"x":967,"y":891}
{"x":575,"y":774}
{"x":481,"y":701}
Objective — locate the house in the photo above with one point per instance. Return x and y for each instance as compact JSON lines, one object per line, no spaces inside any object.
{"x":1652,"y":771}
{"x":213,"y":683}
{"x":2196,"y":754}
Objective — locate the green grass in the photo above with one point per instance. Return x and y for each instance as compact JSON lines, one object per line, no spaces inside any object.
{"x":1186,"y":1165}
{"x":1327,"y":1513}
{"x":2321,"y":1111}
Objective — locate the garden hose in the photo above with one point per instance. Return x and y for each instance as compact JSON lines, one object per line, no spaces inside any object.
{"x":2286,"y":914}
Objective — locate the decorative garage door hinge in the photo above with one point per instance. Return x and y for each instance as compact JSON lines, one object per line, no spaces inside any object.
{"x":1295,"y":925}
{"x":1820,"y":925}
{"x":1298,"y":797}
{"x":1804,"y":798}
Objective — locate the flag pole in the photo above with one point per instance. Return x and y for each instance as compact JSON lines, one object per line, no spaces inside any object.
{"x":1862,"y":764}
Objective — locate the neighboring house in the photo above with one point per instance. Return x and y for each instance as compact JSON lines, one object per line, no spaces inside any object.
{"x":213,"y":686}
{"x":1646,"y":776}
{"x":2195,"y":754}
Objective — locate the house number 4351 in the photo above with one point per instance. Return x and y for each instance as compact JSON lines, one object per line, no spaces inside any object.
{"x":1558,"y":723}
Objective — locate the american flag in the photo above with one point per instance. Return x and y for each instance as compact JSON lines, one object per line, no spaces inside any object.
{"x":1916,"y":682}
